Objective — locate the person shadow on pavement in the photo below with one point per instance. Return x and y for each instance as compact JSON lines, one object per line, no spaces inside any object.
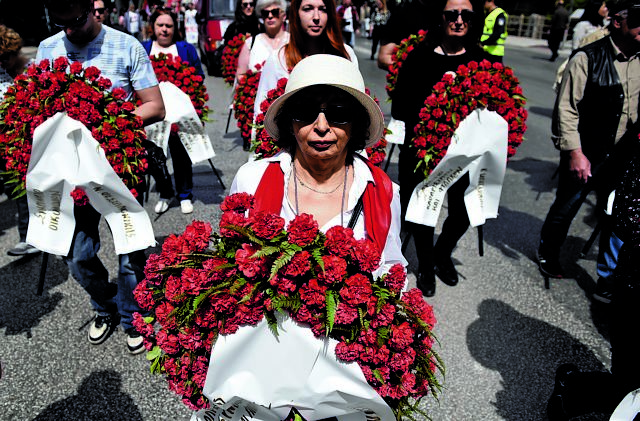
{"x":21,"y":309}
{"x":526,"y":352}
{"x":99,"y":398}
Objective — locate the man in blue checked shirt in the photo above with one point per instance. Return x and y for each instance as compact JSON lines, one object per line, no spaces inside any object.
{"x":123,"y":60}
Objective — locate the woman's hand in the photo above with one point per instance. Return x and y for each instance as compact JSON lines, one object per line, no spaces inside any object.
{"x":579,"y":165}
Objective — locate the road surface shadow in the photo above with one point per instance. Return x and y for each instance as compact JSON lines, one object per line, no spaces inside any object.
{"x":540,"y":174}
{"x":20,"y":308}
{"x":99,"y":398}
{"x":514,"y":233}
{"x":526,"y":352}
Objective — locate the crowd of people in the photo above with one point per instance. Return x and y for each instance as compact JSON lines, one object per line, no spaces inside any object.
{"x":325,"y":117}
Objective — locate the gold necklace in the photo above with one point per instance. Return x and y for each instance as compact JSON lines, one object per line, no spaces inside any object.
{"x":303,"y":184}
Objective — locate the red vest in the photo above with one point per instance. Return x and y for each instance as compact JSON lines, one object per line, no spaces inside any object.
{"x":376,"y":200}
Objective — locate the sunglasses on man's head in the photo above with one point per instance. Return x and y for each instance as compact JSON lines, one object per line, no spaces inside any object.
{"x":73,"y":23}
{"x":247,"y":5}
{"x":452,"y":15}
{"x":275,"y":12}
{"x":335,"y":114}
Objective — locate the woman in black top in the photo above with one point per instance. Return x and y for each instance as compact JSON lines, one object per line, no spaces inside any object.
{"x":452,"y":40}
{"x":246,"y":21}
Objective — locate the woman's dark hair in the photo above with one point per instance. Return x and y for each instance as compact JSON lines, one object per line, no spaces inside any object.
{"x":152,"y":22}
{"x":331,"y":37}
{"x":436,"y":30}
{"x":591,"y":13}
{"x":359,"y":126}
{"x":242,"y":18}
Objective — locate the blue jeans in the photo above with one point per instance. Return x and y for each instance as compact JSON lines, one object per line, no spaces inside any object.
{"x":570,"y":195}
{"x":88,"y":270}
{"x":610,"y":246}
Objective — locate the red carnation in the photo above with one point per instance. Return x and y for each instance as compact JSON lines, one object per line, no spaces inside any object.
{"x":238,"y":202}
{"x":79,"y":196}
{"x":340,"y":241}
{"x":356,"y":290}
{"x":335,"y":269}
{"x":302,"y":230}
{"x":266,"y":225}
{"x":367,"y":255}
{"x":299,"y":264}
{"x":250,"y":267}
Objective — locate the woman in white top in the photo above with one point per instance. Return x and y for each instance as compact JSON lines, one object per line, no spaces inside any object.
{"x":595,"y":13}
{"x":314,"y":29}
{"x":257,"y":49}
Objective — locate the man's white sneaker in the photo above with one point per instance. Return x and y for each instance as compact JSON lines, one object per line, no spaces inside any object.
{"x":186,"y":206}
{"x":100,"y":329}
{"x":162,"y":206}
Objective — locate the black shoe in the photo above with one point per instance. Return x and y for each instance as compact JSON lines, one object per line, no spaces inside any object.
{"x":557,"y":409}
{"x":427,"y":283}
{"x":135,"y":343}
{"x":603,"y":291}
{"x":100,"y":328}
{"x":446,"y":270}
{"x":549,"y":267}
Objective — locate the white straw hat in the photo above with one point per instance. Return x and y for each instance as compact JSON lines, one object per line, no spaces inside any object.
{"x":325,"y":69}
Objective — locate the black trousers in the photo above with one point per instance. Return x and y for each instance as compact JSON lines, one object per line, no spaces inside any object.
{"x":456,"y":223}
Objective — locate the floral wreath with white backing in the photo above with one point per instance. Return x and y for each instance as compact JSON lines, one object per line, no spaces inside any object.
{"x":472,"y":86}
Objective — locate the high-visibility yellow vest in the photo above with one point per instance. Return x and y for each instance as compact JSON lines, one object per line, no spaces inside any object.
{"x":489,"y":23}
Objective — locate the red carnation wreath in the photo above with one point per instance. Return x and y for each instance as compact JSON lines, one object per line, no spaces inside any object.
{"x":399,"y":55}
{"x":244,"y":99}
{"x":264,"y":146}
{"x":202,"y":285}
{"x":173,"y":69}
{"x":230,"y":54}
{"x":44,"y":90}
{"x":494,"y":87}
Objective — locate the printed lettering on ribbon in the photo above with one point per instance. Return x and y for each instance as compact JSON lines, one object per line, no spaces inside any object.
{"x":64,"y":156}
{"x":397,"y":129}
{"x":245,"y":371}
{"x":180,"y":110}
{"x":478,"y":147}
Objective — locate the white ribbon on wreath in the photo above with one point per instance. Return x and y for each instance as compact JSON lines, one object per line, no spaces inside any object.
{"x":179,"y":110}
{"x":478,"y":147}
{"x":64,"y":156}
{"x":255,"y":376}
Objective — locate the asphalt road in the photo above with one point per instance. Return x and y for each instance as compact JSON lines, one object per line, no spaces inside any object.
{"x":501,"y":333}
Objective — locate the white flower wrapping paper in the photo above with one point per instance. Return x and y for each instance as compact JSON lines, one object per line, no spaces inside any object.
{"x":180,"y":110}
{"x":64,"y":156}
{"x":255,"y":376}
{"x":479,"y":147}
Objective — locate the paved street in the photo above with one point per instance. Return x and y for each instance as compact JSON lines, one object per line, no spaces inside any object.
{"x":501,"y":333}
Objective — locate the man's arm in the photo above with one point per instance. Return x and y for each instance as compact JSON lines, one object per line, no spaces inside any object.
{"x":385,"y":55}
{"x":152,"y":108}
{"x":498,"y":30}
{"x":566,"y":117}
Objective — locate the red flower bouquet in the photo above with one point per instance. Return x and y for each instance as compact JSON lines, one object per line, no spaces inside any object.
{"x":475,"y":85}
{"x":264,"y":145}
{"x":173,"y":69}
{"x":244,"y":99}
{"x":400,"y":54}
{"x":230,"y":54}
{"x":378,"y":152}
{"x":44,"y":90}
{"x":203,"y":285}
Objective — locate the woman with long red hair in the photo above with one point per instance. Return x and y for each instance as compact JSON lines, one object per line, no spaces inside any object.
{"x":314,"y":29}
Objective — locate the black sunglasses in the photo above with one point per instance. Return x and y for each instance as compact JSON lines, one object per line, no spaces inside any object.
{"x":275,"y":12}
{"x":73,"y":23}
{"x":452,"y":15}
{"x":335,"y":114}
{"x":247,"y":5}
{"x":100,"y":10}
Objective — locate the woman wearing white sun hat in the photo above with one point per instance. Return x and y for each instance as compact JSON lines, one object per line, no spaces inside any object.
{"x":320,"y":122}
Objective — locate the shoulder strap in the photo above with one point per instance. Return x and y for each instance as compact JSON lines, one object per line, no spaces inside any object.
{"x":356,"y":213}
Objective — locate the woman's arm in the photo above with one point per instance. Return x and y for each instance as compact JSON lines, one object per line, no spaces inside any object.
{"x":243,"y":59}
